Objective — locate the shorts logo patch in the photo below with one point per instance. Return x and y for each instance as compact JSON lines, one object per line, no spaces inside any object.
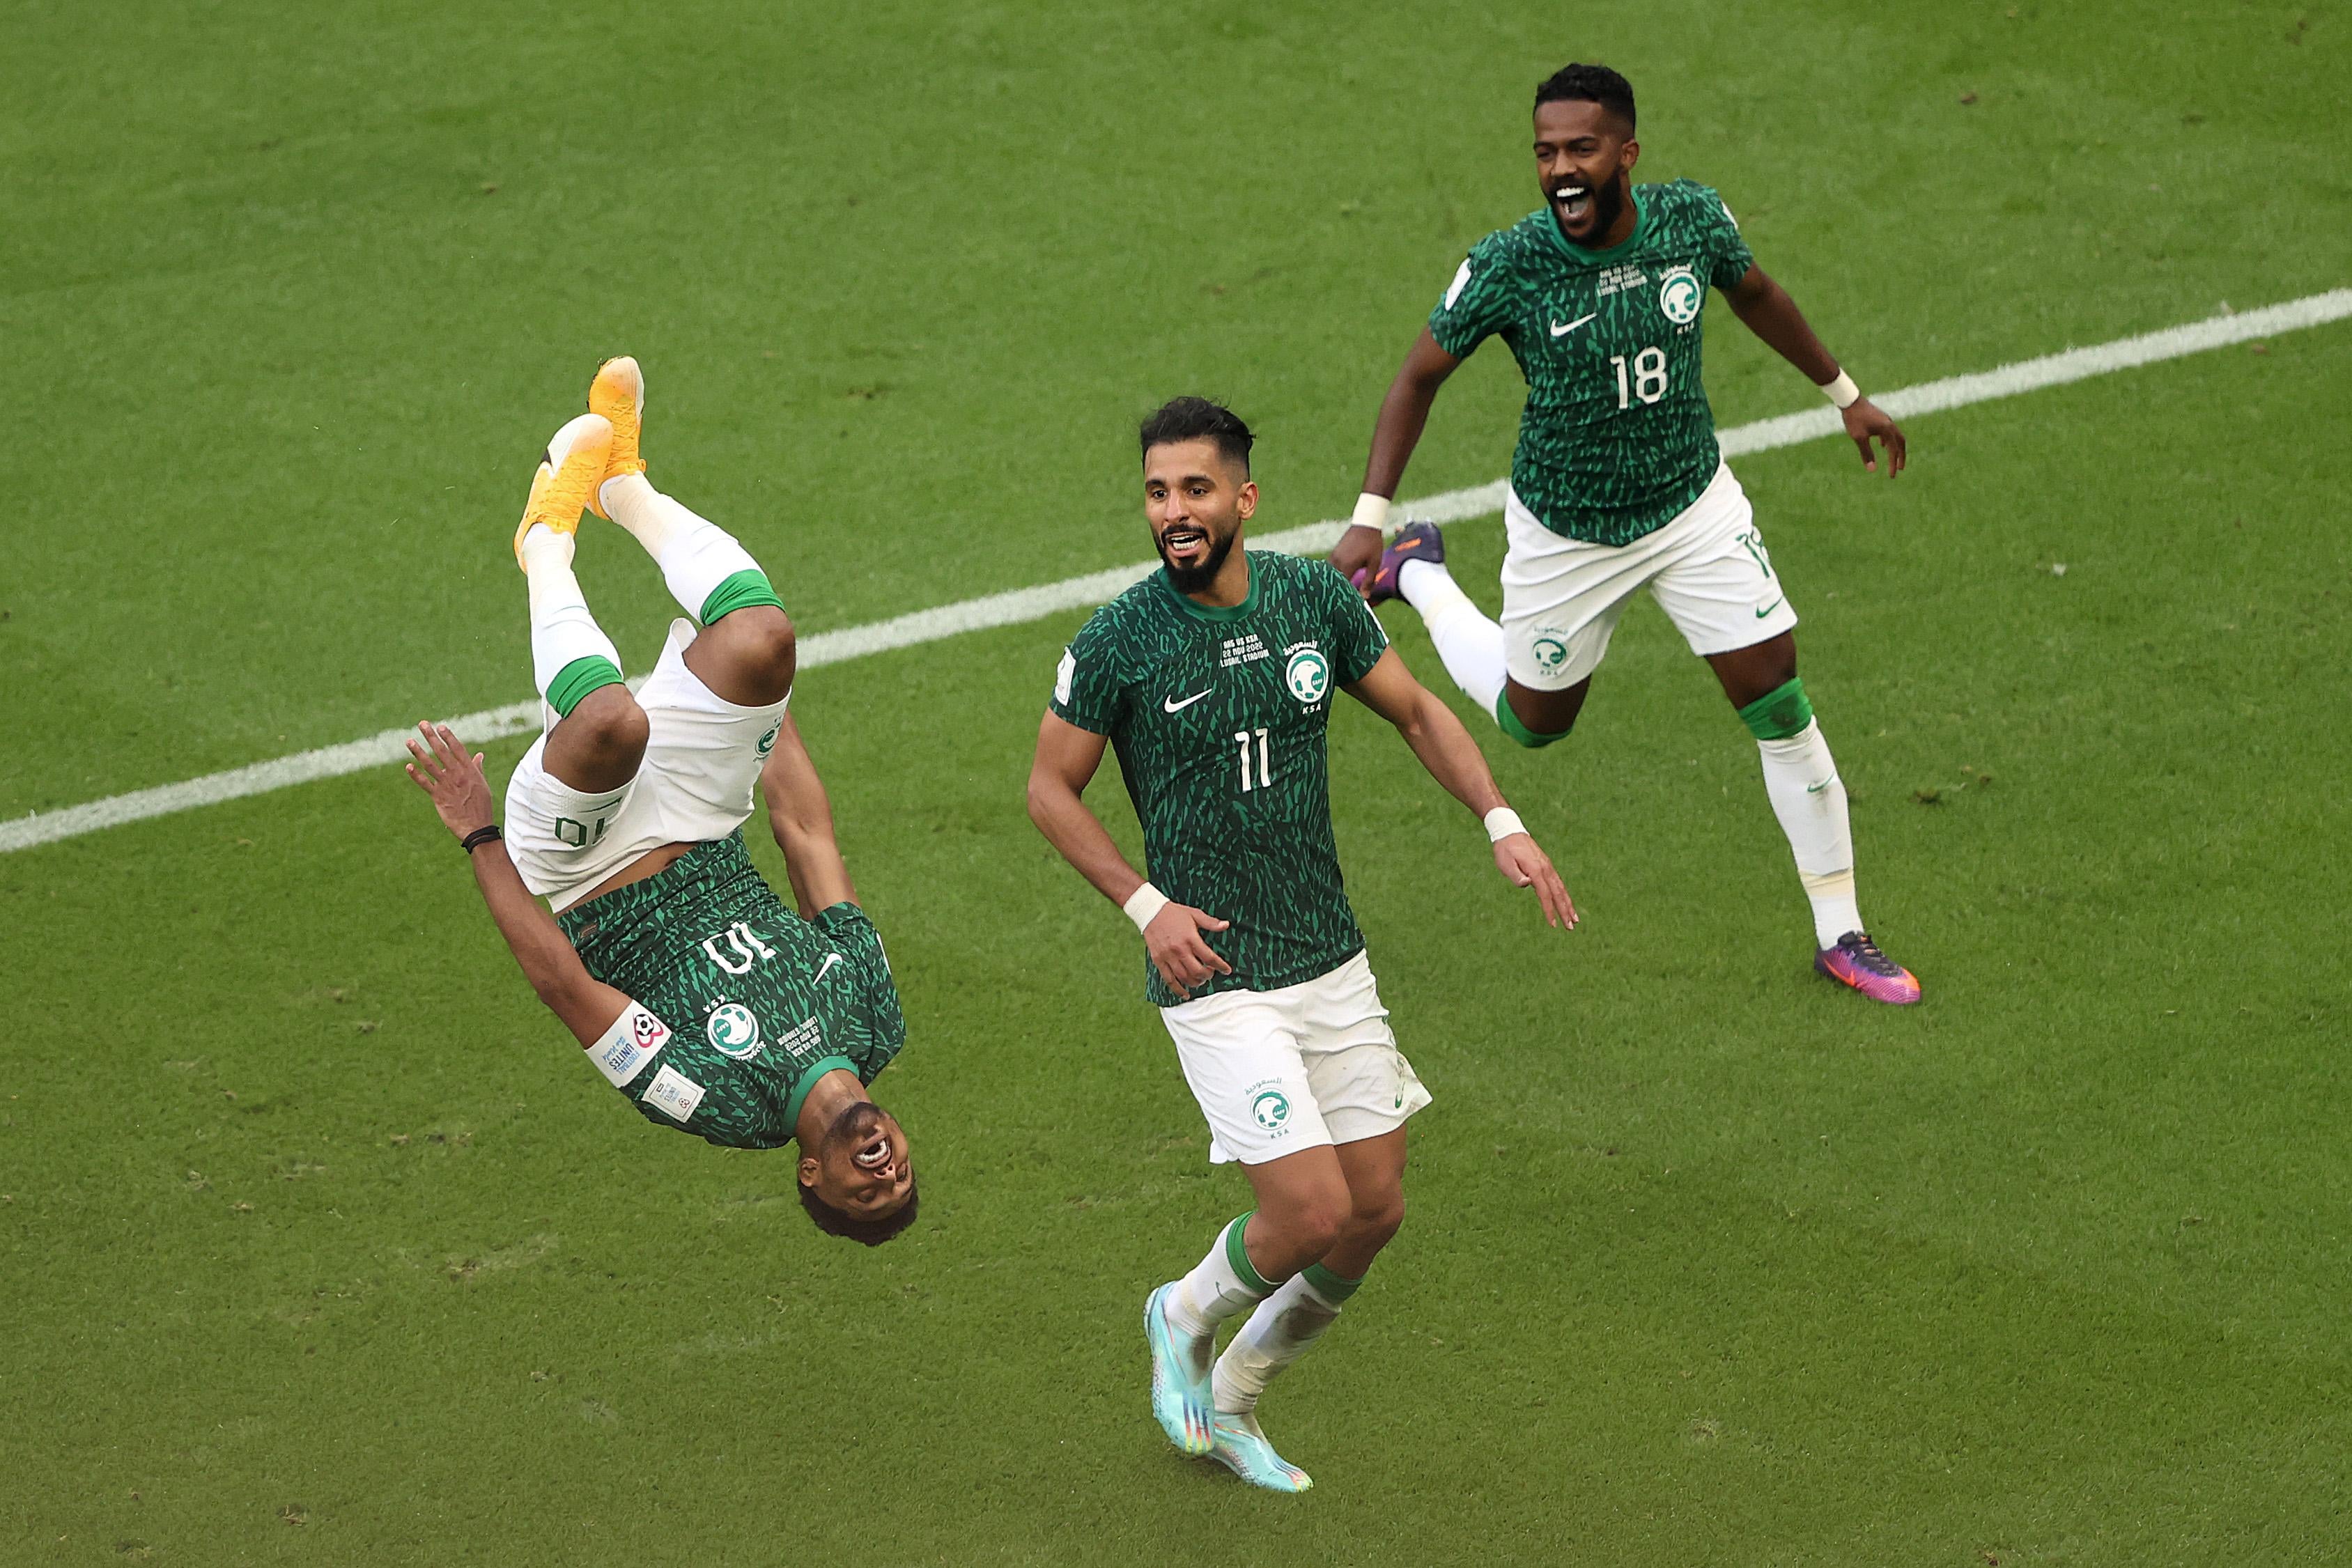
{"x":1550,"y":650}
{"x":1309,"y":674}
{"x":768,"y":741}
{"x":734,"y":1030}
{"x":1271,"y":1109}
{"x":1679,"y":296}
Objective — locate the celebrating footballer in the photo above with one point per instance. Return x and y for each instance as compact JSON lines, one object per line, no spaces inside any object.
{"x":1617,"y":484}
{"x":1214,"y":678}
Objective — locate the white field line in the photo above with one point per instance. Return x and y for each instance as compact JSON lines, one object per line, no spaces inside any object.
{"x":1025,"y":604}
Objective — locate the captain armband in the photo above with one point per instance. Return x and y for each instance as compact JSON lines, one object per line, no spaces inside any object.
{"x":625,"y":1049}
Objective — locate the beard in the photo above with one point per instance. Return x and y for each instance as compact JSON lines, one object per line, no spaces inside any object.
{"x":1198,"y":579}
{"x":1608,"y":202}
{"x":856,"y":1126}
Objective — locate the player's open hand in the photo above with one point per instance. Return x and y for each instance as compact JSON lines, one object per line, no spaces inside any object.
{"x":460,"y":789}
{"x":1179,"y":952}
{"x":1864,"y":423}
{"x":1522,"y":861}
{"x":1358,"y":555}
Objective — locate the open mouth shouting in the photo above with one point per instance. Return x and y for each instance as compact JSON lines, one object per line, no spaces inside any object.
{"x":1572,"y":201}
{"x":1185,"y":547}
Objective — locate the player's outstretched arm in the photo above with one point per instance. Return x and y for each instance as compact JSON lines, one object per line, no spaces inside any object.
{"x":461,"y":794}
{"x":1454,"y":760}
{"x":1403,"y":415}
{"x":1765,"y":309}
{"x":801,"y":817}
{"x":1067,"y":759}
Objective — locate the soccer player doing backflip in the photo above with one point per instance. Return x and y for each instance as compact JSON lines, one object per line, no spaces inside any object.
{"x":1617,"y":484}
{"x":700,"y":997}
{"x":1214,"y":678}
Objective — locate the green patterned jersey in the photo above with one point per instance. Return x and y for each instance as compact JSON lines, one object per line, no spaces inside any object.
{"x":759,"y":1003}
{"x":1218,"y":717}
{"x":1616,"y":438}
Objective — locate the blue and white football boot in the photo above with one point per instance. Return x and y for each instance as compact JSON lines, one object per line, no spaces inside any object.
{"x":1240,"y":1447}
{"x":1180,"y":1376}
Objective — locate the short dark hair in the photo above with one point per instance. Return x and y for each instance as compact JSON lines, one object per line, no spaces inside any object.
{"x":873,"y":1232}
{"x":1589,"y":83}
{"x":1199,"y":418}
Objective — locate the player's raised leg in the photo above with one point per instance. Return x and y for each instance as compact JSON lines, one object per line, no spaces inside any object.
{"x":1470,"y":645}
{"x":598,"y":733}
{"x":1810,"y":800}
{"x":745,"y":653}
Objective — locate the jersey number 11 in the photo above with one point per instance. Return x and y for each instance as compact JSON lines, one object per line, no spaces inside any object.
{"x":1264,"y":760}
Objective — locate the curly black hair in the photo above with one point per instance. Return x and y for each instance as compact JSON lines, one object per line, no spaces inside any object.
{"x":1196,"y":419}
{"x":1589,"y":83}
{"x":873,"y":1232}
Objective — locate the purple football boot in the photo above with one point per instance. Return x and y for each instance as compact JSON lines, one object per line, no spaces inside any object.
{"x":1856,"y":961}
{"x":1415,"y":541}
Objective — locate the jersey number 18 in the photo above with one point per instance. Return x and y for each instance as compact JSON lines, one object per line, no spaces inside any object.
{"x":1649,"y":380}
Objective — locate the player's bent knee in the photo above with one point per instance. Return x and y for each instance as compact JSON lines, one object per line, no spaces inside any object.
{"x":608,"y":727}
{"x":1517,"y":729}
{"x":768,"y":640}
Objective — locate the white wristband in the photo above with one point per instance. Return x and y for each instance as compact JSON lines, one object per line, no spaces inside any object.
{"x":1501,"y":823}
{"x":1371,"y":512}
{"x":1841,"y":392}
{"x":1144,"y":905}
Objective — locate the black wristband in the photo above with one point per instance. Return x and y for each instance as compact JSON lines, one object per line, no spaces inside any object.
{"x":479,"y":837}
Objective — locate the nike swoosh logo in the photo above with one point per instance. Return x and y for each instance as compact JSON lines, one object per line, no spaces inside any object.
{"x":1170,"y":705}
{"x":1770,"y":608}
{"x":1817,"y":789}
{"x":1559,"y":332}
{"x":830,"y":960}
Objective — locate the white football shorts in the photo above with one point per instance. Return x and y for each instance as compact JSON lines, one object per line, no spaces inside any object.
{"x":1299,"y":1067}
{"x":701,"y":767}
{"x":1708,"y":569}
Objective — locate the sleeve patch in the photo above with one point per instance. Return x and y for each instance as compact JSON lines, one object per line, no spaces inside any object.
{"x":1461,"y":281}
{"x":632,"y":1041}
{"x":1062,"y":677}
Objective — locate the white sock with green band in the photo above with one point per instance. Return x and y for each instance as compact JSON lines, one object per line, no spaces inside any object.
{"x":1222,"y":1285}
{"x":1801,"y":779}
{"x":708,"y":572}
{"x":570,"y":654}
{"x":1279,"y":1333}
{"x":1470,"y":645}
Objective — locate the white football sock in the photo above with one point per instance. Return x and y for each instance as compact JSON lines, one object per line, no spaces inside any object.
{"x":1470,"y":645}
{"x":562,"y":632}
{"x":1220,"y":1286}
{"x":1276,"y":1335}
{"x":1809,"y":797}
{"x":695,"y":554}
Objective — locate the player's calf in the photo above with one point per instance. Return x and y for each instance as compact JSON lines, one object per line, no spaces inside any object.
{"x":599,"y":744}
{"x":748,"y":657}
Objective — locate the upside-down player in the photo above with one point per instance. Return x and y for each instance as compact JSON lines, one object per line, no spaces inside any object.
{"x":1214,"y":679}
{"x":697,"y":994}
{"x":1617,"y":484}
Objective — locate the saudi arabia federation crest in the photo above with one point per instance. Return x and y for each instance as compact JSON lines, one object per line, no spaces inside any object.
{"x":1271,"y":1109}
{"x":1679,"y":296}
{"x":734,"y":1030}
{"x":1309,"y":676}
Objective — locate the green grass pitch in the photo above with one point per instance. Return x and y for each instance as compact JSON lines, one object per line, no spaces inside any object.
{"x":317,"y":1244}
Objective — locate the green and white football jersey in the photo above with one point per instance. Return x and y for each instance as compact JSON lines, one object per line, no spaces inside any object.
{"x":759,"y":1003}
{"x":1617,"y":438}
{"x":1218,"y":717}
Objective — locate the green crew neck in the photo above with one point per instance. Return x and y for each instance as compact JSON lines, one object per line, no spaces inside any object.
{"x":1641,"y":226}
{"x":1215,"y":611}
{"x":816,"y":1071}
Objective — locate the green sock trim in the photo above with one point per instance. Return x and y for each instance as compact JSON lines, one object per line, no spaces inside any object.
{"x":1330,"y":1286}
{"x":1516,"y":730}
{"x":1779,"y":713}
{"x":741,"y":591}
{"x":1238,"y":1256}
{"x":577,"y":679}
